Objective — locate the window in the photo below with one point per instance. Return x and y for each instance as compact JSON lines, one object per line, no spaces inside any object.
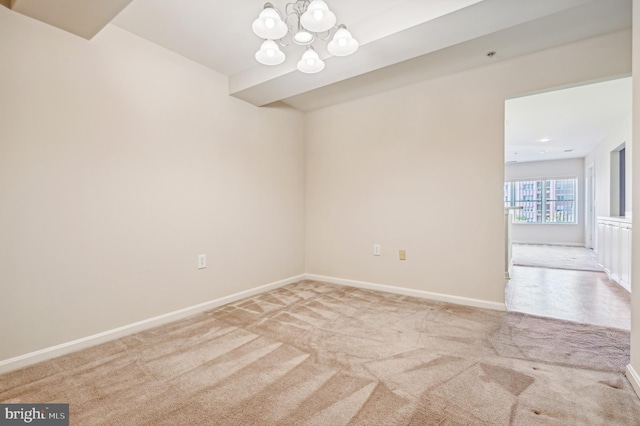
{"x":542,"y":201}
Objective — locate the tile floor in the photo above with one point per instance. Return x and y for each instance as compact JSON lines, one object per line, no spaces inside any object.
{"x":581,"y":296}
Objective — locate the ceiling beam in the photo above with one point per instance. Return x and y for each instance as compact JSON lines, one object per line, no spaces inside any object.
{"x":612,"y":18}
{"x":261,"y":86}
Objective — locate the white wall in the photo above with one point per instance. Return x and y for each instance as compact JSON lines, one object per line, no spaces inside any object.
{"x":600,"y":159}
{"x":550,"y":234}
{"x":421,"y":168}
{"x":120,"y":162}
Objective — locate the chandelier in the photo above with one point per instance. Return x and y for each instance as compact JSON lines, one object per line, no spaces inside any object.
{"x":305,"y":22}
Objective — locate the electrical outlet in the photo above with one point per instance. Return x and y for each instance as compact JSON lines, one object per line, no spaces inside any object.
{"x":403,"y":255}
{"x":377,"y":249}
{"x":202,"y":261}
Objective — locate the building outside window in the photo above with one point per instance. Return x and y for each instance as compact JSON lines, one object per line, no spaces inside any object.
{"x":551,"y":201}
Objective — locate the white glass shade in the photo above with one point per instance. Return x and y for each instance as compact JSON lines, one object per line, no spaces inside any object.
{"x":269,"y":25}
{"x":343,"y":43}
{"x":303,"y":37}
{"x":270,"y":54}
{"x":318,"y":18}
{"x":310,"y":62}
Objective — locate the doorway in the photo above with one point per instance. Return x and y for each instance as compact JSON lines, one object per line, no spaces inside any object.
{"x":550,"y":138}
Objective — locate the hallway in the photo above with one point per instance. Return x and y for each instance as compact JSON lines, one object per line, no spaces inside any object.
{"x":581,"y":296}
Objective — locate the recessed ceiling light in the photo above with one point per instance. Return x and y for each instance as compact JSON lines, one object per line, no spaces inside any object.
{"x":544,"y":140}
{"x":568,"y":150}
{"x":511,"y":161}
{"x":515,"y":153}
{"x":543,"y":152}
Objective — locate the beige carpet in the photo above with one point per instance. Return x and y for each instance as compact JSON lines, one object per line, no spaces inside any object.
{"x":556,"y":257}
{"x":317,"y":354}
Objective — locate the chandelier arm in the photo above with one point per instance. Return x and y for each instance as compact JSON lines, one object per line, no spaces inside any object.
{"x":287,"y":7}
{"x":302,"y":6}
{"x":298,"y":7}
{"x":328,"y":34}
{"x":283,"y":43}
{"x":289,"y":18}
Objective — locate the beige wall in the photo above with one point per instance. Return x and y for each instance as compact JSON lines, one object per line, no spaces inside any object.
{"x":421,"y":168}
{"x":635,"y":262}
{"x":120,"y":162}
{"x":550,"y":234}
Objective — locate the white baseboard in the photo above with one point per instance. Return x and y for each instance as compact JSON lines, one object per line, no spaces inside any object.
{"x":477,"y":303}
{"x":634,"y":379}
{"x":85,"y":342}
{"x":25,"y":360}
{"x":530,"y":243}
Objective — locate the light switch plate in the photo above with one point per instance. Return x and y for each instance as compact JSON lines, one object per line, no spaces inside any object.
{"x":403,"y":255}
{"x":202,"y":261}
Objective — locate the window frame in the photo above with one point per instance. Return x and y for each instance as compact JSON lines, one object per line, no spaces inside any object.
{"x":544,"y":184}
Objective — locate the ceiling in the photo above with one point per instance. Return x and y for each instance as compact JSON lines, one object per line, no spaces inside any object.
{"x":573,"y":120}
{"x":401,"y":42}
